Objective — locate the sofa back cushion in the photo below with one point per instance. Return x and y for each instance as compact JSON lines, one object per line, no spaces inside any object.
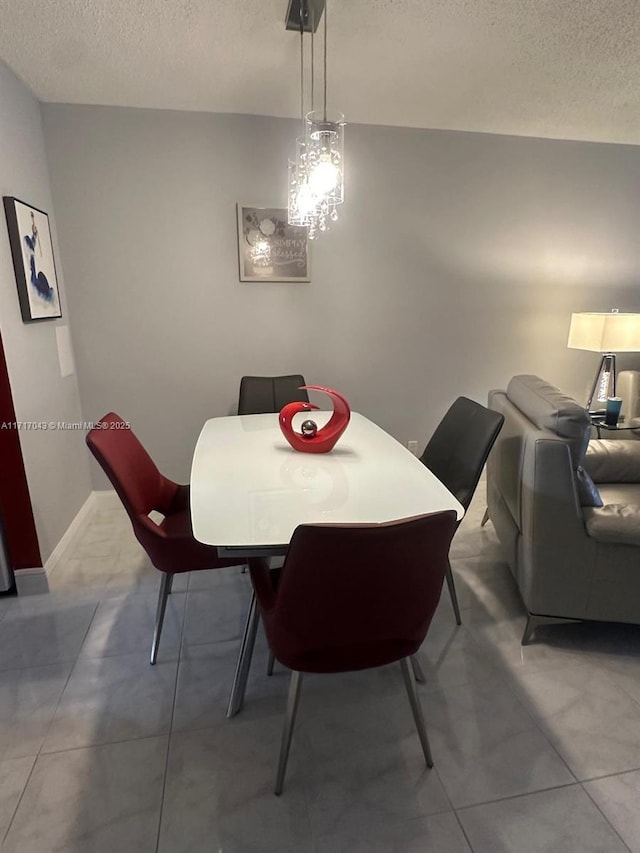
{"x":544,"y":411}
{"x":550,"y":409}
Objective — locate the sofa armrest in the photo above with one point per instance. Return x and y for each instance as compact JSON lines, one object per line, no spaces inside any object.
{"x":610,"y":461}
{"x":614,"y":523}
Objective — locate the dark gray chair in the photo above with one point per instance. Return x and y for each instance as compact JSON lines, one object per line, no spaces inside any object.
{"x":456,"y":454}
{"x":260,"y":394}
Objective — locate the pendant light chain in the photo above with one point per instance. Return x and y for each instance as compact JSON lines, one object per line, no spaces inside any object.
{"x":326,"y":15}
{"x":313,"y":64}
{"x":302,"y":64}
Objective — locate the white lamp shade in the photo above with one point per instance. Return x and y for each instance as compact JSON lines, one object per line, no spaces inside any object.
{"x":611,"y":332}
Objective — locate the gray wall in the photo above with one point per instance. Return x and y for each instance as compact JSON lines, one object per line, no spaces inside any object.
{"x":56,"y":462}
{"x":457,"y":262}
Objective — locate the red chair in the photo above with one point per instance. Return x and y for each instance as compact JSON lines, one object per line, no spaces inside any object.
{"x":170,"y":545}
{"x":351,"y":597}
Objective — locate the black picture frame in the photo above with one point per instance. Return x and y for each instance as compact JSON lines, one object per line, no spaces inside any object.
{"x":33,"y":260}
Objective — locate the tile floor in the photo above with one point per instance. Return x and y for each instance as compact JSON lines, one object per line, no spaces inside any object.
{"x":536,"y":749}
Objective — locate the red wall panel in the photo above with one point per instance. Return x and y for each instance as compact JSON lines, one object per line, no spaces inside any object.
{"x":15,"y":503}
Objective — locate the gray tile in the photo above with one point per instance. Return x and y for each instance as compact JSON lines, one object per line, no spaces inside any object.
{"x":43,"y":636}
{"x":212,"y":578}
{"x":499,"y":633}
{"x":486,"y":746}
{"x":100,"y":799}
{"x":13,"y":777}
{"x":28,"y":700}
{"x":598,"y":642}
{"x":116,"y":531}
{"x":592,"y":722}
{"x":386,"y":783}
{"x":217,"y":614}
{"x":359,"y":754}
{"x":440,"y":833}
{"x":473,"y":541}
{"x":113,"y":699}
{"x":124,"y":625}
{"x":85,"y":572}
{"x":485,"y":583}
{"x":450,"y":656}
{"x":98,"y":541}
{"x":219,"y":793}
{"x":205,"y":676}
{"x":111,"y":510}
{"x":564,"y":821}
{"x":133,"y":573}
{"x":624,"y":669}
{"x":53,"y":601}
{"x":619,"y":799}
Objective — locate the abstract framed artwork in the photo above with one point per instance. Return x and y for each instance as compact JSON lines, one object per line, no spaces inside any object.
{"x":33,"y":262}
{"x":269,"y":249}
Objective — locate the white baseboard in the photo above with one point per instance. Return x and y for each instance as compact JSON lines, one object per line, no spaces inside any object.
{"x":32,"y":581}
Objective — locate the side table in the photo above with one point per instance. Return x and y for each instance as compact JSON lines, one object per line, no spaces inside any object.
{"x":599,"y":425}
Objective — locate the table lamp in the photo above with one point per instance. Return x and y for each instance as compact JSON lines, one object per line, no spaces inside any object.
{"x":607,"y":334}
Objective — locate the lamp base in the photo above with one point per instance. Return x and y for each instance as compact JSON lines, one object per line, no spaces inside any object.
{"x":604,"y":385}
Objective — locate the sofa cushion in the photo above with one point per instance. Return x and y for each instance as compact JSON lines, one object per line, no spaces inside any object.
{"x":548,"y":408}
{"x":611,"y":461}
{"x":620,"y":493}
{"x":619,"y":523}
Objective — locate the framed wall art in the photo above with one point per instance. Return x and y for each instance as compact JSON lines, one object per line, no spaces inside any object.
{"x":33,"y":262}
{"x":269,"y":249}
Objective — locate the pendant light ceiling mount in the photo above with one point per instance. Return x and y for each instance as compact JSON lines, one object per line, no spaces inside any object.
{"x":309,"y":11}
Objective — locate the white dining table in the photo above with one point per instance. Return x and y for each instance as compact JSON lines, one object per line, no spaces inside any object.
{"x":250,"y":490}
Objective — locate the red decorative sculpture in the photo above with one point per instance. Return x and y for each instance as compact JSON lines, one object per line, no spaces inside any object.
{"x":312,"y":439}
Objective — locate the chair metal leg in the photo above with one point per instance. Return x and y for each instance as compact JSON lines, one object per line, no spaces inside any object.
{"x":485,"y":517}
{"x":165,"y":589}
{"x":417,"y":670}
{"x":452,"y":593}
{"x":244,"y":659}
{"x":416,"y":708}
{"x":295,"y":683}
{"x":272,"y":660}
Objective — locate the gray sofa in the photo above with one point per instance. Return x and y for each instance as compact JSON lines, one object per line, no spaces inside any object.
{"x":566,"y":509}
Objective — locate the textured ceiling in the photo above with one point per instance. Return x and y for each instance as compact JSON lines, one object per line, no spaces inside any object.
{"x":556,"y":68}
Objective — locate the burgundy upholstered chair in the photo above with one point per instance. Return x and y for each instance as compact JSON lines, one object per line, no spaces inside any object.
{"x":351,"y":597}
{"x":170,"y":545}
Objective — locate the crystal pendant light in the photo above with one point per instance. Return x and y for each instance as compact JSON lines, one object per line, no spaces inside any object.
{"x":324,"y":150}
{"x":300,"y":202}
{"x":316,"y":176}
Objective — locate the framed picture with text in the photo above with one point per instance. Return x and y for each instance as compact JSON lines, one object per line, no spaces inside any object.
{"x":269,"y":249}
{"x":32,"y":252}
